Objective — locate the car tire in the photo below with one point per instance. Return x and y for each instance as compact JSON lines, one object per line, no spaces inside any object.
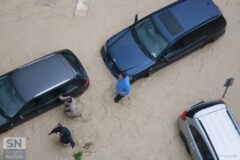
{"x":185,"y":142}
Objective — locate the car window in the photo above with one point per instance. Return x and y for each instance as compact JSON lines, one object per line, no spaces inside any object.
{"x":194,"y":36}
{"x":150,"y":37}
{"x":10,"y":100}
{"x":67,"y":87}
{"x":202,"y":146}
{"x":178,"y":45}
{"x":46,"y":98}
{"x":76,"y":66}
{"x":189,"y":39}
{"x":40,"y":101}
{"x":49,"y":96}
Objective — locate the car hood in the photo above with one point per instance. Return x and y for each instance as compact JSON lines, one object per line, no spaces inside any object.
{"x":126,"y":53}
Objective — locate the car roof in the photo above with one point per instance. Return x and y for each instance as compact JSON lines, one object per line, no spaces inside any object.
{"x":41,"y":76}
{"x":185,"y":15}
{"x":223,"y":133}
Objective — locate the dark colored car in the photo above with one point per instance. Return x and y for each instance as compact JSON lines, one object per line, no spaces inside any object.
{"x":163,"y":37}
{"x":34,"y":88}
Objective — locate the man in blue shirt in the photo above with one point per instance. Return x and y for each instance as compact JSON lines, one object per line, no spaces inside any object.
{"x":123,"y":87}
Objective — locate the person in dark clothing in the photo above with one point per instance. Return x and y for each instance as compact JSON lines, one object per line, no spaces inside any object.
{"x":65,"y":135}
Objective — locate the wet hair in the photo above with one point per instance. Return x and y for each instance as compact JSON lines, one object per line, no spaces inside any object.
{"x":59,"y":125}
{"x":123,"y":74}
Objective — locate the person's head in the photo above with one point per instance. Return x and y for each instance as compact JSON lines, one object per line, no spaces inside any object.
{"x":69,"y":101}
{"x":122,"y":75}
{"x":59,"y":125}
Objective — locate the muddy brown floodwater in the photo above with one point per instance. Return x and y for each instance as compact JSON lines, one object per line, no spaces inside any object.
{"x":143,"y":126}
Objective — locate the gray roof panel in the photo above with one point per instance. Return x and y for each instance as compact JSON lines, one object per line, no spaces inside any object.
{"x":39,"y":76}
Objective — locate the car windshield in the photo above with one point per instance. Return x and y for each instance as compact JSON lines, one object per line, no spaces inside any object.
{"x":150,"y":37}
{"x":10,"y":101}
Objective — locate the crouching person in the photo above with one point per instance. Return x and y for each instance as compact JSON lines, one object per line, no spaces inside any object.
{"x":65,"y":135}
{"x":70,"y":108}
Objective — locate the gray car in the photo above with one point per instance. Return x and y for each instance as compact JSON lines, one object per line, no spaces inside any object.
{"x":210,"y":132}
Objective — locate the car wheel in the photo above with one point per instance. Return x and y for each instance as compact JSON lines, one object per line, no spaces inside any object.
{"x":185,"y":142}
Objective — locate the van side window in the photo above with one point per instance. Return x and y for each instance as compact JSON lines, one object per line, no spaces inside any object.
{"x":47,"y":97}
{"x":40,"y":101}
{"x":202,"y":146}
{"x":194,"y":36}
{"x":189,"y":39}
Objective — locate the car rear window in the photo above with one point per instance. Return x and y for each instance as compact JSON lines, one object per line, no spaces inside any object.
{"x":76,"y":65}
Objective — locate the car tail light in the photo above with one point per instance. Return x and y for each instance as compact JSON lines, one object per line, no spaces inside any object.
{"x":184,"y":115}
{"x":86,"y":83}
{"x":222,"y":101}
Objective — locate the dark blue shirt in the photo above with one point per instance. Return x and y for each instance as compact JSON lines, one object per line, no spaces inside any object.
{"x":66,"y":137}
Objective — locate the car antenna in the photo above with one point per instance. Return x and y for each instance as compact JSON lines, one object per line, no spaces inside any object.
{"x":228,"y":83}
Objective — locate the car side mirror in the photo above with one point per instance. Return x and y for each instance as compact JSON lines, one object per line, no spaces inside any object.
{"x":136,"y":18}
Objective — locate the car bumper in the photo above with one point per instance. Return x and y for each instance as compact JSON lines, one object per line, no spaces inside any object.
{"x":109,"y":63}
